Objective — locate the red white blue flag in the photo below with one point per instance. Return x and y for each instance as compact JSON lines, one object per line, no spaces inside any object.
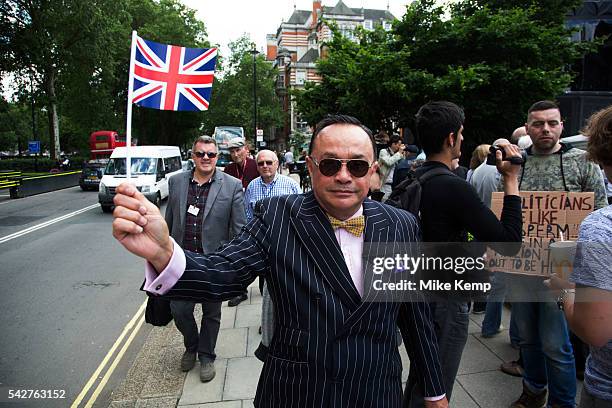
{"x":169,"y":77}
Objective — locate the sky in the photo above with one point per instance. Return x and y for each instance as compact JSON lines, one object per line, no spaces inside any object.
{"x":227,"y":20}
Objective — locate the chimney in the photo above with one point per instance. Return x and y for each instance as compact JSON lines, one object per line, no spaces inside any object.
{"x":316,"y":9}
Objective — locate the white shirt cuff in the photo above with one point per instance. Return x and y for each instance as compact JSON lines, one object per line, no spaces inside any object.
{"x":438,"y":398}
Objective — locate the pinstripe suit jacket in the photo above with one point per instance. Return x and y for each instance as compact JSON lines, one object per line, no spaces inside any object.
{"x":329,"y":348}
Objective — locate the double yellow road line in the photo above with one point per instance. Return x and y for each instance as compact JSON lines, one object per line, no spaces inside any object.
{"x":130,"y":330}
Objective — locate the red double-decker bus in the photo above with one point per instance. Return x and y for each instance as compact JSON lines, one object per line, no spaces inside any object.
{"x":103,"y":142}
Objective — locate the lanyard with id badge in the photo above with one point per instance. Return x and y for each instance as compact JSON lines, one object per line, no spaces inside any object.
{"x":193,"y":209}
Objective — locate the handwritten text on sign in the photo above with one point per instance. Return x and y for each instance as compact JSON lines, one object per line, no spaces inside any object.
{"x":547,"y":216}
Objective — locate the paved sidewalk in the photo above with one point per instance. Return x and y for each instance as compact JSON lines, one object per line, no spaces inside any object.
{"x":155,"y":380}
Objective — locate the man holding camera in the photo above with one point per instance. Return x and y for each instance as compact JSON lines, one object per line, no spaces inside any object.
{"x":548,"y":360}
{"x":449,"y":209}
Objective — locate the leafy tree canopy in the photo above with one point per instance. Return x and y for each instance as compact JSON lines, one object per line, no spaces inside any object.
{"x":232,"y":95}
{"x":493,"y":58}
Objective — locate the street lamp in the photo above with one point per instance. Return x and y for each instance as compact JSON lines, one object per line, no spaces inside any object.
{"x":254,"y":53}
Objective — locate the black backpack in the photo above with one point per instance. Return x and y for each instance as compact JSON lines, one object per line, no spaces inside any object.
{"x":407,"y":194}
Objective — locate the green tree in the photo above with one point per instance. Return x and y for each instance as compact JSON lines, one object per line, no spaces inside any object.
{"x":55,"y":39}
{"x":169,"y":22}
{"x":77,"y":54}
{"x":493,"y":60}
{"x":359,"y":78}
{"x":232,"y":95}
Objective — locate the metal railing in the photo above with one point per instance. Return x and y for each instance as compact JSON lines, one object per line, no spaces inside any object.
{"x":10,"y":179}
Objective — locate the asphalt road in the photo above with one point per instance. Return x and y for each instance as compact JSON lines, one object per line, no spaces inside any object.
{"x":67,"y":292}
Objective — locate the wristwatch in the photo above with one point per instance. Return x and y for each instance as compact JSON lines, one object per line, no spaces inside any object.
{"x":561,"y":298}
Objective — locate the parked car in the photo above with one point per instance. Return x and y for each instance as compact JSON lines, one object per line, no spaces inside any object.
{"x":92,"y":174}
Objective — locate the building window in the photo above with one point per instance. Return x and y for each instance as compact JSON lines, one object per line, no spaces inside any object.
{"x":387,"y":25}
{"x":367,"y":24}
{"x":300,"y":77}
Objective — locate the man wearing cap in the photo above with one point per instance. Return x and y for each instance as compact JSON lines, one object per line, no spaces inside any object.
{"x":242,"y":167}
{"x":245,"y":169}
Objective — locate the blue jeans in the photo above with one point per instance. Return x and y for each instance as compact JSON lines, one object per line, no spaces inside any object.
{"x":548,"y":358}
{"x":451,"y":321}
{"x":495,"y":305}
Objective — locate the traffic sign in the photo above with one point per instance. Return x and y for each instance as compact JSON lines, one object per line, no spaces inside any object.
{"x":34,"y":146}
{"x":259,"y":132}
{"x":260,"y":138}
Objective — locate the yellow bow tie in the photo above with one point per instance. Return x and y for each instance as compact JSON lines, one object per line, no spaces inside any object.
{"x":354,"y":225}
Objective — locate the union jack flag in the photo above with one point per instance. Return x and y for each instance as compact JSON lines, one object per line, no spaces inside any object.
{"x":169,"y":77}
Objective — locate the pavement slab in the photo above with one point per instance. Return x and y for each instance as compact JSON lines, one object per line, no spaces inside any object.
{"x":155,"y":379}
{"x":491,"y":388}
{"x":232,"y":343}
{"x":461,"y":398}
{"x":197,"y":392}
{"x":248,"y":315}
{"x":253,"y":340}
{"x":242,"y":377}
{"x":477,"y":358}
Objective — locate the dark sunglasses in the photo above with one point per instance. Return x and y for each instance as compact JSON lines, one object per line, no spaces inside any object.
{"x":266,"y":162}
{"x":201,"y":155}
{"x":329,"y":167}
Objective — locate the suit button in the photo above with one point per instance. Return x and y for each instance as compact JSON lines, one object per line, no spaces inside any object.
{"x":158,"y":287}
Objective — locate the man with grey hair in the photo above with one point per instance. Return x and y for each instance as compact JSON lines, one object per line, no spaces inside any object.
{"x":485,"y":178}
{"x":269,"y":184}
{"x":205,"y":210}
{"x":520,"y":137}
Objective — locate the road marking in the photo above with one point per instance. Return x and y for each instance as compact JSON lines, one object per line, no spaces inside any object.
{"x":108,"y":356}
{"x":45,"y":224}
{"x":104,"y":380}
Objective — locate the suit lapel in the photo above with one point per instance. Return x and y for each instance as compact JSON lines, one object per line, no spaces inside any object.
{"x":314,"y":230}
{"x":215,"y":187}
{"x":376,"y":236}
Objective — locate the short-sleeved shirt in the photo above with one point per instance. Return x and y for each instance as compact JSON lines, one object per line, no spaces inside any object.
{"x":258,"y":190}
{"x":592,"y":268}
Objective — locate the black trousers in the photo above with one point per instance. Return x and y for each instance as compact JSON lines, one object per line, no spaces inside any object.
{"x":203,"y":343}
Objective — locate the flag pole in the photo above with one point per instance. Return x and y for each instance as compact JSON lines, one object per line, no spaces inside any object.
{"x":128,"y":130}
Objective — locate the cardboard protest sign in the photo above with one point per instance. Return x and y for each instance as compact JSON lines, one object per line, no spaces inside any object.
{"x":547,"y":216}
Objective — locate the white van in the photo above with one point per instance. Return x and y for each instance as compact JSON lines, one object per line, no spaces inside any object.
{"x":151,"y":167}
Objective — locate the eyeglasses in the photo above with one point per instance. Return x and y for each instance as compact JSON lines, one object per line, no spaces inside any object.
{"x":265,"y":162}
{"x":329,"y":167}
{"x":201,"y":155}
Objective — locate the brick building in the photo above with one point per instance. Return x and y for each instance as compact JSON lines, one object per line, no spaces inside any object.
{"x":300,"y":42}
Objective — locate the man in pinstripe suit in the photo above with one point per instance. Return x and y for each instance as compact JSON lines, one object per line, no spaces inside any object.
{"x":330,"y":349}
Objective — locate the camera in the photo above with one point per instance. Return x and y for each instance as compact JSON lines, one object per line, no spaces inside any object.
{"x":514,"y":160}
